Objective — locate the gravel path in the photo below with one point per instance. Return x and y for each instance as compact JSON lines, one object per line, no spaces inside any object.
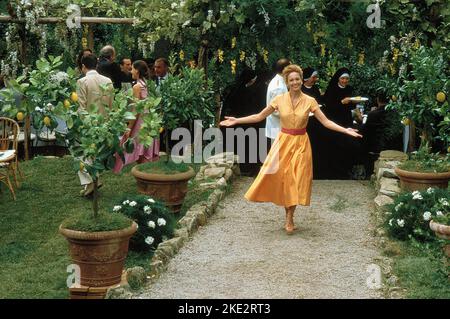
{"x":243,"y":251}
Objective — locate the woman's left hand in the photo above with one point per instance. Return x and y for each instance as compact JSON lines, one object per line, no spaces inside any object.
{"x":352,"y":132}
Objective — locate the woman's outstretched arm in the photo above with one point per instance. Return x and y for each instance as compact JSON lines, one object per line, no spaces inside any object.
{"x":333,"y":126}
{"x":255,"y":118}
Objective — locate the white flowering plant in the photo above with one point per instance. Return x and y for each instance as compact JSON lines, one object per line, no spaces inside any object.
{"x":410,"y":214}
{"x":156,"y":222}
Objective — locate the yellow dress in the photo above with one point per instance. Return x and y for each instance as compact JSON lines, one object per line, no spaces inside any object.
{"x":285,"y":178}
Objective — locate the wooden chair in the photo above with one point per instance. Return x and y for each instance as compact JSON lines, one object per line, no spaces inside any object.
{"x":9,"y":161}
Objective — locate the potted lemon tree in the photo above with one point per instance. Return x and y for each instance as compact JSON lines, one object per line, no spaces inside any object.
{"x":185,"y":97}
{"x":420,"y":96}
{"x":98,"y":240}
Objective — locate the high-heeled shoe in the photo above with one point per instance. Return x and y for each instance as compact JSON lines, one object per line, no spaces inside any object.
{"x":289,"y":229}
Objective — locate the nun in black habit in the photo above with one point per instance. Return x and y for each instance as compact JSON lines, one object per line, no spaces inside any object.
{"x":338,"y":106}
{"x":341,"y":153}
{"x":309,"y":87}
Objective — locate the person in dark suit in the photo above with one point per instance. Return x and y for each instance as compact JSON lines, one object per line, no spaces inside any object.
{"x":161,"y":70}
{"x":125,"y":67}
{"x":107,"y":67}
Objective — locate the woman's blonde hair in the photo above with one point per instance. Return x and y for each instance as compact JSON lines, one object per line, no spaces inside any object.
{"x":290,"y":69}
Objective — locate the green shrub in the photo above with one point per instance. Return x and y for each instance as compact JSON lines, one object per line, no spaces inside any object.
{"x":156,"y":222}
{"x":410,"y":214}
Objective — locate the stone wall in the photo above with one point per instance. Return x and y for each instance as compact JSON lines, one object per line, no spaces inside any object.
{"x":387,"y":187}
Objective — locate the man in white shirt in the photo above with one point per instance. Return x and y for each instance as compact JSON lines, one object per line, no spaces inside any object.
{"x":276,"y":87}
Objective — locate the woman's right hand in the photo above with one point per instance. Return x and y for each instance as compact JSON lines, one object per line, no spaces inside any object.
{"x":346,"y":100}
{"x":229,"y":121}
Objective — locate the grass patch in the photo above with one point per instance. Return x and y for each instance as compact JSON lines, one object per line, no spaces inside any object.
{"x":33,"y":255}
{"x":162,"y":166}
{"x":339,"y":205}
{"x":85,"y":221}
{"x":422,"y":271}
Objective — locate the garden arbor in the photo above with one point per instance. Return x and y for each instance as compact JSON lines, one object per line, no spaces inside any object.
{"x":90,"y":21}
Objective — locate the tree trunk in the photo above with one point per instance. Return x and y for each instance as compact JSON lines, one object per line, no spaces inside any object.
{"x":218,"y":109}
{"x":95,"y":197}
{"x":91,"y":36}
{"x":26,"y":136}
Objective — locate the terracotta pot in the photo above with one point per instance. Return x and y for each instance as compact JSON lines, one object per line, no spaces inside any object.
{"x":442,"y":231}
{"x":100,"y":255}
{"x":170,"y":188}
{"x":415,"y":181}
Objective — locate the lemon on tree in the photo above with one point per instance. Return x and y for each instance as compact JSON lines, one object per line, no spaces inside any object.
{"x":441,"y":97}
{"x":20,"y":116}
{"x":66,"y":103}
{"x":74,"y":97}
{"x":47,"y":121}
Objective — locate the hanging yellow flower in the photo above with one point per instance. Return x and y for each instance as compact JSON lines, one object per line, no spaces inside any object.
{"x":416,"y":44}
{"x":220,"y":55}
{"x":233,"y":42}
{"x":181,"y":55}
{"x":309,"y":27}
{"x":233,"y":66}
{"x":242,"y":56}
{"x":349,"y":43}
{"x":395,"y":54}
{"x":361,"y":58}
{"x":393,"y":70}
{"x":266,"y":56}
{"x":322,"y":49}
{"x":84,"y":43}
{"x":315,"y":38}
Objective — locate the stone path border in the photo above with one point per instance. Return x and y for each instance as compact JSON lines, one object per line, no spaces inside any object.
{"x":387,"y":186}
{"x":221,"y":168}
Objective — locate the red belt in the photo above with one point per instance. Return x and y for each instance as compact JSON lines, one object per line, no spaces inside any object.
{"x":294,"y":131}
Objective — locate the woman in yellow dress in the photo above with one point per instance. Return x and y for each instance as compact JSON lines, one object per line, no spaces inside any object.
{"x":285,"y":178}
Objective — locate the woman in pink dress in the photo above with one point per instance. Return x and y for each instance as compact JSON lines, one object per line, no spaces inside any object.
{"x":140,"y":153}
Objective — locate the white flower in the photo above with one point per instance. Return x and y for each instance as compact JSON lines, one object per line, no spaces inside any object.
{"x":133,"y":203}
{"x":151,"y":224}
{"x":151,"y":200}
{"x":149,"y":240}
{"x":439,"y":213}
{"x":59,"y":77}
{"x":161,"y":222}
{"x":126,"y":202}
{"x":185,"y":24}
{"x":427,"y":216}
{"x":174,"y":5}
{"x":117,"y":208}
{"x":430,"y":190}
{"x":398,"y":207}
{"x":147,"y":210}
{"x":38,"y":109}
{"x":443,"y":201}
{"x":417,"y":195}
{"x":390,"y":222}
{"x":400,"y":222}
